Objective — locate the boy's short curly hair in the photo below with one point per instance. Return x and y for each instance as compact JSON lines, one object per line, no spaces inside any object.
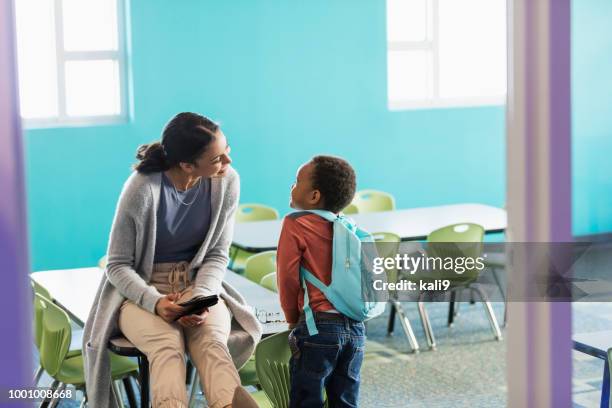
{"x":335,"y":179}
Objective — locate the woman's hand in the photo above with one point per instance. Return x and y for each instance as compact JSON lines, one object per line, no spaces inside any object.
{"x":167,"y":309}
{"x":193,"y":320}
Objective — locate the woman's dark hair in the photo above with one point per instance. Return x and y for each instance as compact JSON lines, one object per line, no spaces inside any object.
{"x":335,"y":179}
{"x":184,"y":139}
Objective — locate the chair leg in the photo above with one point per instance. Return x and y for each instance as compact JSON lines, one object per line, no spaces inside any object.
{"x":605,"y":386}
{"x":391,"y":323}
{"x":505,"y":313}
{"x":431,"y":340}
{"x":498,"y":283}
{"x":116,"y":391}
{"x":194,"y":390}
{"x":451,"y":308}
{"x":457,"y":299}
{"x":53,"y":387}
{"x":129,"y":390}
{"x":84,"y":400}
{"x":414,"y":344}
{"x":61,"y":386}
{"x":39,"y":372}
{"x":503,"y":294}
{"x":490,"y":313}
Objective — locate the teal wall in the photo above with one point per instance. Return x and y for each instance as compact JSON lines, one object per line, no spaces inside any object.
{"x":287,"y":80}
{"x":592,"y":116}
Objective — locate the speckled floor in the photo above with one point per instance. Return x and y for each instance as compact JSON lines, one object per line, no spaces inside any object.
{"x":467,"y":369}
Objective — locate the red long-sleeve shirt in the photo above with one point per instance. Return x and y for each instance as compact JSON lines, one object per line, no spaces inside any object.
{"x":306,"y":239}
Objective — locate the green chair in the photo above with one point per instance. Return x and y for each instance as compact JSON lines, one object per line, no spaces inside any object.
{"x":255,"y":212}
{"x":38,"y":318}
{"x":350,"y":209}
{"x":387,"y":246}
{"x":42,"y":291}
{"x":259,"y":265}
{"x":495,"y":261}
{"x":248,"y":213}
{"x":463,"y":240}
{"x":75,"y":348}
{"x":54,"y":344}
{"x":269,"y":282}
{"x":261,"y":399}
{"x":272,"y":356}
{"x":248,"y":373}
{"x":373,"y":201}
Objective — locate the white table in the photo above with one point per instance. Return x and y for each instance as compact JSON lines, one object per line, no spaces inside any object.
{"x":410,"y":224}
{"x":74,"y":290}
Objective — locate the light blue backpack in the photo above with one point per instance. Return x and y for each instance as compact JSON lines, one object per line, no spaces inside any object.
{"x":350,"y":291}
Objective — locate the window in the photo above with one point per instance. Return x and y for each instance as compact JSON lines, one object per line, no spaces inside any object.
{"x":71,"y":59}
{"x":446,"y":53}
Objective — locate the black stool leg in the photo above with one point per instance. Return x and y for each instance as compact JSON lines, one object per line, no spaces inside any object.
{"x":129,"y":390}
{"x":143,"y":371}
{"x":189,"y":372}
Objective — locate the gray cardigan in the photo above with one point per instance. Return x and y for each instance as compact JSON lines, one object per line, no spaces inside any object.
{"x":130,"y":263}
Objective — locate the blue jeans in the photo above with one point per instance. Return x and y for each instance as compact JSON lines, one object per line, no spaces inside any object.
{"x":330,"y":361}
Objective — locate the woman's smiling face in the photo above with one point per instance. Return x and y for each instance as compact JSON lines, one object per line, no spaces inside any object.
{"x":214,"y":161}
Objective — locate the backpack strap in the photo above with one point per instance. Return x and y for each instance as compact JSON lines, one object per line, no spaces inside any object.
{"x":347,"y":222}
{"x":305,"y":275}
{"x":328,"y":215}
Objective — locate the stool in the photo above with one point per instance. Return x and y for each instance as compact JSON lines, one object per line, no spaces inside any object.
{"x":123,"y":347}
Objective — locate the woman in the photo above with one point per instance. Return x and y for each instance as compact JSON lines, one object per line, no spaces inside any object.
{"x":169,"y":242}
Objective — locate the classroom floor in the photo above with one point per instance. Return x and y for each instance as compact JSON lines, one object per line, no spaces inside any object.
{"x":469,"y":368}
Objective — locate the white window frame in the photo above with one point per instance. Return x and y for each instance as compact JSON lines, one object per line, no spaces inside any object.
{"x":431,"y":44}
{"x":63,"y":119}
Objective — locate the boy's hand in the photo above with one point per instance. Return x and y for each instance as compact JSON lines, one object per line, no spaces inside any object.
{"x":193,"y":320}
{"x":292,"y":326}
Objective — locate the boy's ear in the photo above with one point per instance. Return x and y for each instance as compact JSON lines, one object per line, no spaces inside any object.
{"x":315,"y":197}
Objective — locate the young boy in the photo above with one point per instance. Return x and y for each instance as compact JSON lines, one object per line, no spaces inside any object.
{"x":330,"y":360}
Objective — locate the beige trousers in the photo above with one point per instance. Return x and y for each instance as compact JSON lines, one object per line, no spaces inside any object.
{"x":164,"y":345}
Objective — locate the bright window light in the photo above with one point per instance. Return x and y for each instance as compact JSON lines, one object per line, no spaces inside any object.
{"x":71,"y":61}
{"x":86,"y":78}
{"x":444,"y":53}
{"x":410,"y":72}
{"x":37,"y":59}
{"x":90,"y":25}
